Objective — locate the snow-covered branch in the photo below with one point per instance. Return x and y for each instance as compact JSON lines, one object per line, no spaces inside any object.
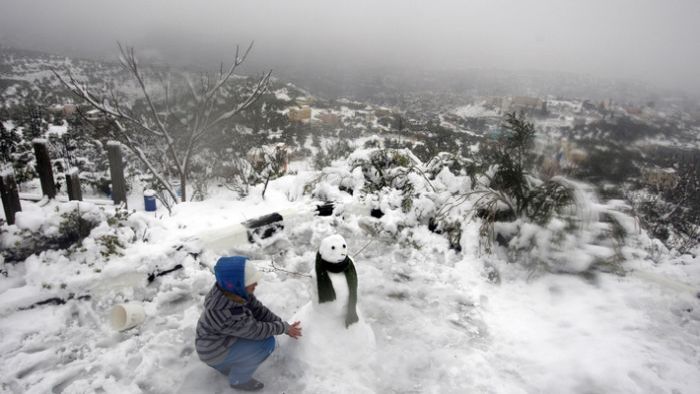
{"x":179,"y":143}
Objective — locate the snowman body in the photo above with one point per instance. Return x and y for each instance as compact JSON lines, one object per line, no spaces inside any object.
{"x":328,"y":346}
{"x":332,"y":309}
{"x":342,"y":294}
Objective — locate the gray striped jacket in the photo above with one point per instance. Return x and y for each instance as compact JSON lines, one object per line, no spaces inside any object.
{"x":223,"y":321}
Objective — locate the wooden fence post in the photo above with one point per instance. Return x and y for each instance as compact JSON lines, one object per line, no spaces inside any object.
{"x":43,"y":167}
{"x":73,"y":185}
{"x":10,"y":196}
{"x":116,"y":170}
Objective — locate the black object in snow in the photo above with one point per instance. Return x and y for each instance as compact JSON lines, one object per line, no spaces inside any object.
{"x":325,"y":209}
{"x":264,"y":226}
{"x":152,"y":276}
{"x":376,"y":213}
{"x":57,"y":301}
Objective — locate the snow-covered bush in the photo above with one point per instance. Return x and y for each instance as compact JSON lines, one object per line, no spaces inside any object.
{"x":65,"y":226}
{"x":385,"y":169}
{"x":63,"y":229}
{"x":239,"y":170}
{"x":555,"y":224}
{"x":82,"y":147}
{"x":671,"y":212}
{"x":456,"y":164}
{"x":329,"y":152}
{"x":582,"y":236}
{"x":9,"y":139}
{"x":23,"y":162}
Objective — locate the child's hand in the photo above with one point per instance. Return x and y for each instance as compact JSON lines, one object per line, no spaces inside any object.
{"x":294,"y":330}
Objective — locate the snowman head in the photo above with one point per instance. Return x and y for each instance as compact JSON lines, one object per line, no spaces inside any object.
{"x":333,"y":249}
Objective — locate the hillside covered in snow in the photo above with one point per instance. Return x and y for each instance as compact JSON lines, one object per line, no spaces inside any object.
{"x":503,"y":244}
{"x":444,"y":321}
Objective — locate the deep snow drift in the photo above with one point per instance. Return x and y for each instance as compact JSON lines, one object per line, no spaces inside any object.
{"x":440,"y":325}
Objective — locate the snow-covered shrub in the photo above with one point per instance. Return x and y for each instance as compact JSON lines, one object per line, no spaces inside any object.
{"x":403,"y":195}
{"x":585,"y":235}
{"x":65,"y":226}
{"x":237,"y":170}
{"x":74,"y":228}
{"x":456,"y":164}
{"x":23,"y":162}
{"x":9,"y":139}
{"x":329,"y":152}
{"x":671,"y":212}
{"x":82,"y":147}
{"x":385,"y":169}
{"x":110,"y":245}
{"x":555,"y":224}
{"x":60,"y":231}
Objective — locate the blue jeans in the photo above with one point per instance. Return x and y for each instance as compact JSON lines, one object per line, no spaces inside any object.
{"x":244,"y":357}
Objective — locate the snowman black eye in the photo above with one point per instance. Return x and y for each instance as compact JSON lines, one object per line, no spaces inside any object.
{"x":333,"y":247}
{"x":343,"y":246}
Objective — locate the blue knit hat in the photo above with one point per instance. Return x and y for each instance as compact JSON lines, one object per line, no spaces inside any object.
{"x":230,"y":274}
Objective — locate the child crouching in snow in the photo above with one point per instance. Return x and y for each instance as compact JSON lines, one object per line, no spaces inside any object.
{"x":235,"y":332}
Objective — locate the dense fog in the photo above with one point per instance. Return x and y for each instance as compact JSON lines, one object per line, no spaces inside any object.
{"x":648,"y":41}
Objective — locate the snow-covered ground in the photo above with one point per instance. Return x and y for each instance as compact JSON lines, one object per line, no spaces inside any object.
{"x":474,"y":111}
{"x":58,"y":130}
{"x":440,"y":325}
{"x":282,"y":94}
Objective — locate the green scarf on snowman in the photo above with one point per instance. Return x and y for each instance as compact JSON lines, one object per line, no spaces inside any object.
{"x":326,"y":293}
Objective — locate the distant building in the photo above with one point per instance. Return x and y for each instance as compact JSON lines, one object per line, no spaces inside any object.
{"x":576,"y":156}
{"x":649,"y":112}
{"x":588,"y":105}
{"x":69,"y":109}
{"x":329,"y":119}
{"x":415,"y":125}
{"x":55,"y":109}
{"x":528,"y":105}
{"x":94,"y":115}
{"x":367,"y":116}
{"x":64,"y":109}
{"x":568,"y":156}
{"x":578,"y":121}
{"x":662,"y":178}
{"x":494,"y":103}
{"x":632,"y":110}
{"x":382,"y":111}
{"x":606,"y":108}
{"x":302,"y":114}
{"x":305,"y":100}
{"x":606,"y":105}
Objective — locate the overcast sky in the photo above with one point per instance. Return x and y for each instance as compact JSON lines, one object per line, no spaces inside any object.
{"x":649,"y":40}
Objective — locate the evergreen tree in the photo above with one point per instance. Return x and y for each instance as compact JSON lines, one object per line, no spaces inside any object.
{"x":8,"y":143}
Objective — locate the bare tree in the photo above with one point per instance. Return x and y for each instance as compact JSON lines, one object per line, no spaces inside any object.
{"x":177,"y":134}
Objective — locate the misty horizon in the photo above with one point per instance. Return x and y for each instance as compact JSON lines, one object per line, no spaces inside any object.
{"x":645,"y":42}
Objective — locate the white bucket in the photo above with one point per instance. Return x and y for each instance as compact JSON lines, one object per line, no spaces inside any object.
{"x":126,"y":316}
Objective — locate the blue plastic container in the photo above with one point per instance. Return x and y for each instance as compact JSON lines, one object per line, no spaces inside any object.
{"x":149,"y":200}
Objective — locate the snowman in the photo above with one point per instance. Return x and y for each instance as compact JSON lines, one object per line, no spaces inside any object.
{"x":335,"y":281}
{"x":336,"y":339}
